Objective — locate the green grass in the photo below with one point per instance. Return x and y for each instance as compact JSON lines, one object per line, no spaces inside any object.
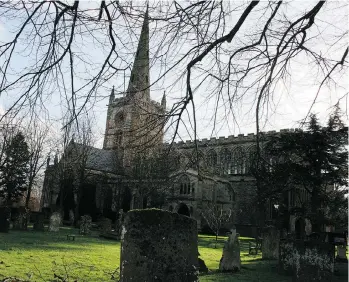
{"x":89,"y":258}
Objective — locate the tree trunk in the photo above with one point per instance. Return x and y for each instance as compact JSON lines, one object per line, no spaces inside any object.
{"x":27,"y":199}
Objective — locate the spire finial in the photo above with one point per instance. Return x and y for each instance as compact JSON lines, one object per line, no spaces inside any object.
{"x":163,"y":100}
{"x":112,"y":95}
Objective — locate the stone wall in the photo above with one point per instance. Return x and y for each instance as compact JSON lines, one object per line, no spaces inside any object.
{"x":307,"y":260}
{"x":158,"y":246}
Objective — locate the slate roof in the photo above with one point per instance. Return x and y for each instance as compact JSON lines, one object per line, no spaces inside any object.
{"x":103,"y":160}
{"x":99,"y":159}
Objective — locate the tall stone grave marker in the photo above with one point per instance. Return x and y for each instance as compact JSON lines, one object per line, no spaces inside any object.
{"x":231,"y":260}
{"x":158,"y":245}
{"x":55,"y":222}
{"x":270,"y":242}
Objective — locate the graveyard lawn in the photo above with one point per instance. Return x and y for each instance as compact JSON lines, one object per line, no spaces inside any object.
{"x":37,"y":256}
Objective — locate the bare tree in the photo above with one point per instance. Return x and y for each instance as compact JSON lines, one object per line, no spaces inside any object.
{"x":215,"y":217}
{"x":223,"y":53}
{"x":37,"y":134}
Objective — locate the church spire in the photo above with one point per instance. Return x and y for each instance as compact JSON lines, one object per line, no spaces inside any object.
{"x":163,"y":100}
{"x":139,"y":79}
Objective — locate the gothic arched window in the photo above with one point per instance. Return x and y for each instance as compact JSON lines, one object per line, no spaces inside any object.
{"x":226,"y":161}
{"x":197,"y":158}
{"x":212,"y":158}
{"x":251,"y":159}
{"x":239,"y":161}
{"x":184,"y":184}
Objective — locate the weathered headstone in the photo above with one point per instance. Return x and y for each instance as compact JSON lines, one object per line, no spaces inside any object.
{"x":104,"y":225}
{"x":21,"y":219}
{"x":4,"y":219}
{"x":38,"y":218}
{"x":85,"y":224}
{"x":71,"y":217}
{"x":55,"y":222}
{"x":158,"y":246}
{"x":231,"y":260}
{"x":270,"y":243}
{"x":119,"y":222}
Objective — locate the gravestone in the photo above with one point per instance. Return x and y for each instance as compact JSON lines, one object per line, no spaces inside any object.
{"x":270,"y":242}
{"x":38,"y":219}
{"x":4,"y":219}
{"x":85,"y":224}
{"x":104,"y":225}
{"x":71,"y":217}
{"x":21,"y":219}
{"x":231,"y":260}
{"x":55,"y":222}
{"x":158,"y":245}
{"x":119,"y":222}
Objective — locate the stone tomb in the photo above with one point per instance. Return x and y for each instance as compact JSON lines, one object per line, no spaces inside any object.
{"x":307,"y":260}
{"x":158,"y":245}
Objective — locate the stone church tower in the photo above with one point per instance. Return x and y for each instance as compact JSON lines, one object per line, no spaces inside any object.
{"x":135,"y":122}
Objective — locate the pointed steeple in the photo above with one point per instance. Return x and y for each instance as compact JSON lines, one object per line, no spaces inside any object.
{"x":112,"y":95}
{"x":163,"y":100}
{"x":139,"y":79}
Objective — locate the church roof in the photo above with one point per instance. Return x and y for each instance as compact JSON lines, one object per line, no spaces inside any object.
{"x":102,"y":160}
{"x":97,"y":159}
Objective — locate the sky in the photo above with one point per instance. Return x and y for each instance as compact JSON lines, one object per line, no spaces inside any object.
{"x":291,"y":100}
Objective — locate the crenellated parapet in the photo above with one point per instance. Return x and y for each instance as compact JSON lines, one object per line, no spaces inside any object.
{"x":231,"y":139}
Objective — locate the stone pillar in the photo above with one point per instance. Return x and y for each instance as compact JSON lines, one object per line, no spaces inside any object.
{"x":270,"y":243}
{"x":158,"y":245}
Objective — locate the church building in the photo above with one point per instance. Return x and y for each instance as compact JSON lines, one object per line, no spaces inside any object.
{"x":100,"y":182}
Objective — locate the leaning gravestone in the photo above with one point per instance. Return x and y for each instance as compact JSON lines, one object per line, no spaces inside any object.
{"x":158,"y":245}
{"x":231,"y":260}
{"x":55,"y":222}
{"x":4,"y":219}
{"x":270,"y":243}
